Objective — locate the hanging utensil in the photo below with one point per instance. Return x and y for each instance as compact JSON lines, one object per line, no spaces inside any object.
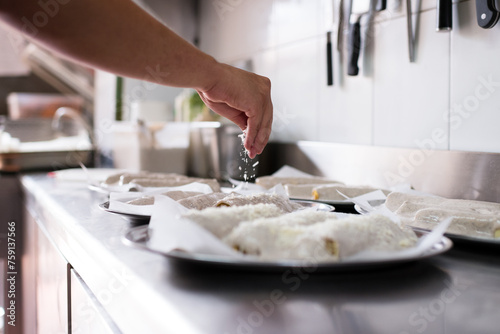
{"x":381,"y":5}
{"x":329,"y":47}
{"x":354,"y":47}
{"x":358,"y":9}
{"x":487,"y":13}
{"x":340,"y":30}
{"x":329,"y":59}
{"x":409,"y":26}
{"x":444,"y":15}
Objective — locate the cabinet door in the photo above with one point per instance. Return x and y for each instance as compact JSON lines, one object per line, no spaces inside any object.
{"x":51,"y":288}
{"x":29,"y":269}
{"x":16,"y":297}
{"x":87,"y":314}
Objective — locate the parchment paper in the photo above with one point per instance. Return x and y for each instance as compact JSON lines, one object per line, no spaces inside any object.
{"x":117,"y":200}
{"x":168,"y":231}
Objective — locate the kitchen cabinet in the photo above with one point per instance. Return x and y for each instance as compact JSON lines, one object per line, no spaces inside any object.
{"x":90,"y":289}
{"x":55,"y":298}
{"x":51,"y":286}
{"x":87,"y":314}
{"x":17,"y":282}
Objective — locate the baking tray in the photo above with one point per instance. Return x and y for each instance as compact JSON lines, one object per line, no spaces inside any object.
{"x":464,"y":239}
{"x":144,"y":219}
{"x":138,"y":237}
{"x":26,"y":161}
{"x":131,"y":217}
{"x":344,"y":206}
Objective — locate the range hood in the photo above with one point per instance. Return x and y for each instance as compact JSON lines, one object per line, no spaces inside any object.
{"x":66,"y":77}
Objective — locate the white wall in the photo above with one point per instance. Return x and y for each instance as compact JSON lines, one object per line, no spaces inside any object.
{"x":178,"y":15}
{"x":443,"y":100}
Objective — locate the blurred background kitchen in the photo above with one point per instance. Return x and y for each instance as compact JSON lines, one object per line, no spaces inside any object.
{"x":447,"y":98}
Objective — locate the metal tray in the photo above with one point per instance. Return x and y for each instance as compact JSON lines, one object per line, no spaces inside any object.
{"x":312,"y":204}
{"x":138,"y":237}
{"x":133,"y":218}
{"x":340,"y":206}
{"x":136,"y":218}
{"x":464,"y":239}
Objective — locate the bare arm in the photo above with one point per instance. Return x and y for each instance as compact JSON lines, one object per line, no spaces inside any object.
{"x":119,"y":37}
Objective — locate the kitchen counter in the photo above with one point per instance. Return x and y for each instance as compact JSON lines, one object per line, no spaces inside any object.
{"x":142,"y":292}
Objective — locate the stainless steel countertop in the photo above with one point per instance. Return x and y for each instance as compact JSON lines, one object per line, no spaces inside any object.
{"x":458,"y":292}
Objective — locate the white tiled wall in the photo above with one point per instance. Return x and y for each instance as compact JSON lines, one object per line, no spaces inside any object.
{"x":392,"y":102}
{"x":410,"y":99}
{"x":296,"y":107}
{"x":475,"y":84}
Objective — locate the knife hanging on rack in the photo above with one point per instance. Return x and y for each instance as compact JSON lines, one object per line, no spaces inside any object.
{"x":329,"y":50}
{"x":329,"y":59}
{"x":487,"y":13}
{"x":381,"y":5}
{"x":409,"y":27}
{"x":444,"y":15}
{"x":354,"y":47}
{"x":358,"y":9}
{"x":340,"y":28}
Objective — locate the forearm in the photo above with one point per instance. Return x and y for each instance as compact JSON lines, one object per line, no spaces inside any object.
{"x":102,"y":35}
{"x":119,"y":37}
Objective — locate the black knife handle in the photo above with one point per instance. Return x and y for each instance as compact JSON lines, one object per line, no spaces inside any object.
{"x":381,"y":5}
{"x":329,"y":59}
{"x":444,"y":15}
{"x":486,"y":14}
{"x":354,"y":48}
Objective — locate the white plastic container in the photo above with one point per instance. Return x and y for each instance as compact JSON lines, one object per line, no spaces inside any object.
{"x":167,"y":148}
{"x":126,"y":146}
{"x":151,"y":111}
{"x":154,"y":147}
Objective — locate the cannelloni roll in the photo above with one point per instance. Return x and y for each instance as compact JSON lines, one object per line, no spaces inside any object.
{"x":413,"y":203}
{"x":202,"y":201}
{"x":463,"y":222}
{"x":280,"y":201}
{"x":125,"y":177}
{"x":221,"y":221}
{"x":302,"y":191}
{"x":145,"y":200}
{"x":147,"y":182}
{"x":270,"y":181}
{"x":128,"y":178}
{"x":331,"y":192}
{"x":323,"y":240}
{"x":176,"y":195}
{"x":469,"y":217}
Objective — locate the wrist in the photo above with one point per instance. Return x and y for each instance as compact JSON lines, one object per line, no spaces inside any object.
{"x":208,"y":74}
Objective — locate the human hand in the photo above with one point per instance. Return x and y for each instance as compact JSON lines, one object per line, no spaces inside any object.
{"x":245,"y":99}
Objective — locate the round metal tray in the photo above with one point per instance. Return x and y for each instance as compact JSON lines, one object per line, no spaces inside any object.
{"x":138,"y":237}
